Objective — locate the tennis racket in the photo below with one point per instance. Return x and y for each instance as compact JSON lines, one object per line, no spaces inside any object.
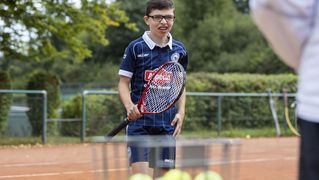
{"x":161,"y":92}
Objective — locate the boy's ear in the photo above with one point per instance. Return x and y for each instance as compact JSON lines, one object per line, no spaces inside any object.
{"x":146,"y":18}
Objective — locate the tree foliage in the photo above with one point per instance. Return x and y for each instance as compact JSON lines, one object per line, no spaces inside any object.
{"x":190,"y":13}
{"x":222,"y":39}
{"x":121,"y":36}
{"x":5,"y":101}
{"x":219,"y":36}
{"x":51,"y":84}
{"x":242,"y":5}
{"x":55,"y":29}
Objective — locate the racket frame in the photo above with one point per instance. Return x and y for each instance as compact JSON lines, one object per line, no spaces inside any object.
{"x":126,"y":121}
{"x":148,"y":85}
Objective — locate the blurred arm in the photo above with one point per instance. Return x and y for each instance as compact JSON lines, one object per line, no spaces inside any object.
{"x":286,"y":24}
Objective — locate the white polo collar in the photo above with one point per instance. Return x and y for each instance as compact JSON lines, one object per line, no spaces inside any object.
{"x":151,"y":44}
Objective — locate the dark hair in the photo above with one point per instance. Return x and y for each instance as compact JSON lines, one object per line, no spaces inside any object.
{"x":158,"y":4}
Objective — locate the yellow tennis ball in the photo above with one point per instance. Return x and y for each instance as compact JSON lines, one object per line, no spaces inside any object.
{"x":208,"y":175}
{"x":140,"y":176}
{"x":176,"y":174}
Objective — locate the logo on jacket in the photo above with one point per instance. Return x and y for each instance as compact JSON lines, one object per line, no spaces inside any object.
{"x":175,"y":57}
{"x":143,"y":55}
{"x":162,"y":78}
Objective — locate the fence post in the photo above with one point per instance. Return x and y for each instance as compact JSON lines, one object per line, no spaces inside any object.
{"x":44,"y":120}
{"x":219,"y":115}
{"x":83,"y":116}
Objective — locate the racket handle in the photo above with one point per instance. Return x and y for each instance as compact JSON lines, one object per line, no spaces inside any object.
{"x":117,"y":129}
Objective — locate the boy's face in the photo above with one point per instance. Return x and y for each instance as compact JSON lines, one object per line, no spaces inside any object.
{"x":160,"y":22}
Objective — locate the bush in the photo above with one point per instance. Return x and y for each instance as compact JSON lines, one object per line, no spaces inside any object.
{"x":50,"y":83}
{"x":72,"y":109}
{"x":235,"y":112}
{"x":104,"y":112}
{"x":5,"y":101}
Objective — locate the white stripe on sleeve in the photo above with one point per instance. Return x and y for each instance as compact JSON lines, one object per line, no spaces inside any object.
{"x":125,"y":73}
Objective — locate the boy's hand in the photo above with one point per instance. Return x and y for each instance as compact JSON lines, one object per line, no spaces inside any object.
{"x":178,"y":122}
{"x":133,"y":113}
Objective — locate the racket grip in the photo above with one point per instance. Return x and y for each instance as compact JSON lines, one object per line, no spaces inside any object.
{"x":118,"y":128}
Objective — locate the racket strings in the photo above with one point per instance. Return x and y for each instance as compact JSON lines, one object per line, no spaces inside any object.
{"x":165,"y":88}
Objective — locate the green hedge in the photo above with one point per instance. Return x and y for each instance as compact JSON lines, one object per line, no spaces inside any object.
{"x":72,"y":109}
{"x":104,"y":111}
{"x":255,"y":83}
{"x":50,"y":83}
{"x":5,"y":101}
{"x":236,"y":112}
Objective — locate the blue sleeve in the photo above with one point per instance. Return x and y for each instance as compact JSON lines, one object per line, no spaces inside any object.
{"x":184,"y":59}
{"x":128,"y":62}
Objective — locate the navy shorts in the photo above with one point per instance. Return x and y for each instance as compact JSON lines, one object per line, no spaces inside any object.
{"x":158,"y":156}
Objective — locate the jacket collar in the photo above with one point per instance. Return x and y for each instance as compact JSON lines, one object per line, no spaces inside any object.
{"x":151,"y":44}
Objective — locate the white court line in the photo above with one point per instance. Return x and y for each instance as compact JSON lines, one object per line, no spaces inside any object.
{"x":221,"y":162}
{"x":30,"y":175}
{"x":125,"y":169}
{"x":58,"y":173}
{"x":30,"y":164}
{"x":42,"y":174}
{"x":39,"y":164}
{"x":263,"y":160}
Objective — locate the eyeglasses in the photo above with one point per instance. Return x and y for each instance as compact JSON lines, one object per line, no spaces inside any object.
{"x":159,"y":18}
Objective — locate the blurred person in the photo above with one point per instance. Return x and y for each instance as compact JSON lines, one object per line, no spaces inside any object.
{"x":292,"y":28}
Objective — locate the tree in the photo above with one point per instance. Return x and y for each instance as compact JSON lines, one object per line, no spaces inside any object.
{"x":47,"y":30}
{"x":242,"y":6}
{"x":222,"y":39}
{"x":190,"y":13}
{"x":122,"y":36}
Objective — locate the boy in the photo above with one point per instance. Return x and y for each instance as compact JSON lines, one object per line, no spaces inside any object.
{"x":142,"y":56}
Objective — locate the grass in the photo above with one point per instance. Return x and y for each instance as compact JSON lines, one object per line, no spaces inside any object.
{"x":237,"y":133}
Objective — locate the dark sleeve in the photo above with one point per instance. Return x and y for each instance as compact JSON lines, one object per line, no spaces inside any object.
{"x":184,"y":59}
{"x":128,"y":62}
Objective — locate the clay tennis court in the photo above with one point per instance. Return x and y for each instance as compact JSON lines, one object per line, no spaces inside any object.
{"x":261,"y":158}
